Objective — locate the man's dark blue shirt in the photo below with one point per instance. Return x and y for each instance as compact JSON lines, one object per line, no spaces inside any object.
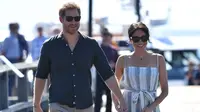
{"x":69,"y":71}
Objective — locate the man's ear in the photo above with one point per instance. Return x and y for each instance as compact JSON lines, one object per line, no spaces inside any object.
{"x":61,"y":19}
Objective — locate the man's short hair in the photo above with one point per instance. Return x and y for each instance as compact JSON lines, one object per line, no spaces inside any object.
{"x":13,"y":26}
{"x":69,"y":6}
{"x":105,"y":32}
{"x":39,"y":29}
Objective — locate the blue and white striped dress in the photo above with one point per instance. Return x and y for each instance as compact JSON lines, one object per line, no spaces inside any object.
{"x":140,"y":85}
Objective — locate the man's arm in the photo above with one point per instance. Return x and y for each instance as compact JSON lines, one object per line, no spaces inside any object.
{"x":113,"y":85}
{"x":43,"y":70}
{"x":25,"y":44}
{"x":38,"y":90}
{"x":105,"y":71}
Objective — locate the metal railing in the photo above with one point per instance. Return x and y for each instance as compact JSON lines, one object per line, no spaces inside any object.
{"x":23,"y":103}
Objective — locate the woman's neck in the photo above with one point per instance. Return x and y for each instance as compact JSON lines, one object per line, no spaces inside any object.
{"x":140,"y":53}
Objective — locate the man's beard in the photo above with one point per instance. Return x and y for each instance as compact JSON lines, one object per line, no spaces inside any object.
{"x":72,"y":31}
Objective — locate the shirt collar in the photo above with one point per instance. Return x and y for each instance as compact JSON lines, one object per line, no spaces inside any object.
{"x":12,"y":35}
{"x":81,"y":37}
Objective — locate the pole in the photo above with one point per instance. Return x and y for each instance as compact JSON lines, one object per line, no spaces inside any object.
{"x":90,"y":19}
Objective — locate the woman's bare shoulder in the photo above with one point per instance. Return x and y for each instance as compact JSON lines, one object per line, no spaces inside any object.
{"x":155,"y":54}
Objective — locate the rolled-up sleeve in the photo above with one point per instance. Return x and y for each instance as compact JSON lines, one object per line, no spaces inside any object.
{"x":101,"y":62}
{"x":43,"y":68}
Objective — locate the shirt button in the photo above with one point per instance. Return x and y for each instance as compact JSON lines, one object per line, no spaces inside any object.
{"x":74,"y":85}
{"x":74,"y":103}
{"x":66,"y":45}
{"x":73,"y":64}
{"x":73,"y":74}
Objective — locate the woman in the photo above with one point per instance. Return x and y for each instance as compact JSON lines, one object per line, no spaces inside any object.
{"x":140,"y":73}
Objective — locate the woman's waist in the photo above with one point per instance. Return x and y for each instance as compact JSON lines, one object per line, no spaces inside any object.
{"x":139,"y":90}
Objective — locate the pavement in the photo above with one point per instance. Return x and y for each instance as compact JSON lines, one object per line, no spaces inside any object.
{"x":181,"y":98}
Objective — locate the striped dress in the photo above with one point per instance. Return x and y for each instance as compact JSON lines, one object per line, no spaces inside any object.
{"x":140,"y":84}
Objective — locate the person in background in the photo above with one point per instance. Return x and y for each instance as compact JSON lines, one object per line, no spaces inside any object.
{"x":15,"y":49}
{"x":37,"y":43}
{"x":190,"y":74}
{"x":101,"y":88}
{"x":56,"y":31}
{"x":36,"y":46}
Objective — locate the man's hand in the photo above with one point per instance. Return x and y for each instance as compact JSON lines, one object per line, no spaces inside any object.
{"x":117,"y":106}
{"x":116,"y":102}
{"x":123,"y":107}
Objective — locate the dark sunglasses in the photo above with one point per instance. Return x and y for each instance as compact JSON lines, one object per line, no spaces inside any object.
{"x":71,"y":18}
{"x":136,"y":39}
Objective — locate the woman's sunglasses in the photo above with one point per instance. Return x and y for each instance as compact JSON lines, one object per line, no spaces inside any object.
{"x":136,"y":39}
{"x":71,"y":18}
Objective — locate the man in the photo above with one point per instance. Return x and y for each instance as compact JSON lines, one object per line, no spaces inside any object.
{"x":101,"y":87}
{"x":190,"y":74}
{"x":37,"y":43}
{"x":56,"y":31}
{"x":15,"y":53}
{"x":68,"y":58}
{"x":13,"y":49}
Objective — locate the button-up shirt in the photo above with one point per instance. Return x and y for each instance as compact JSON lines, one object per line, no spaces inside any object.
{"x":36,"y":45}
{"x":70,"y":70}
{"x":11,"y":47}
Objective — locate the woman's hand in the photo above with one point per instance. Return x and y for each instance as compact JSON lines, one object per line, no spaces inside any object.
{"x":147,"y":109}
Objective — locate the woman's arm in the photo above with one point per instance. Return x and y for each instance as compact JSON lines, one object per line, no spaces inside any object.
{"x":163,"y":83}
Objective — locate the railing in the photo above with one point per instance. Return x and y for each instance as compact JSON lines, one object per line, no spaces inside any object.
{"x":23,"y":102}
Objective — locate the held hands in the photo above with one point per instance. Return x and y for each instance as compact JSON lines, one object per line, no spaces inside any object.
{"x":37,"y":108}
{"x":123,"y":106}
{"x":120,"y":106}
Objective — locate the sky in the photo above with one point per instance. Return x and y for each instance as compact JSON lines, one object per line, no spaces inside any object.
{"x":29,"y":12}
